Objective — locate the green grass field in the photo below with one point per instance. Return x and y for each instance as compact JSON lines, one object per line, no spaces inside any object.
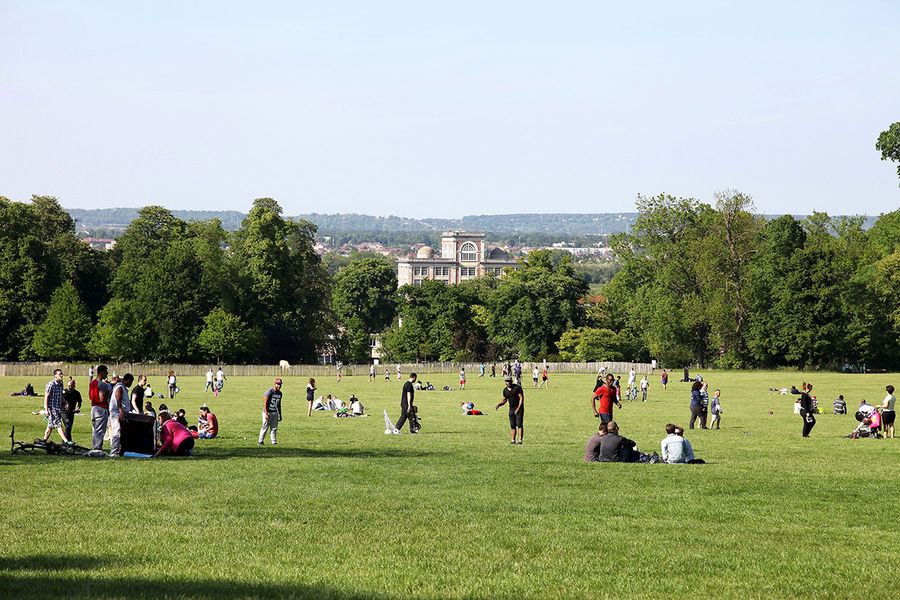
{"x":340,"y":510}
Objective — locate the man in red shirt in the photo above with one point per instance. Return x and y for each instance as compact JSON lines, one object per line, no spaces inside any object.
{"x":607,"y":395}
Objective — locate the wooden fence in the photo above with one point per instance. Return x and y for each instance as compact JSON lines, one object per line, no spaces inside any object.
{"x":35,"y":369}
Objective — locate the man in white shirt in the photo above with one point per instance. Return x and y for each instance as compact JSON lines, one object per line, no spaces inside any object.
{"x":209,"y":379}
{"x":674,"y":449}
{"x":220,"y":379}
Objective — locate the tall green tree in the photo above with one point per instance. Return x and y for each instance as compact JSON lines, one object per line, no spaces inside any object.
{"x":125,"y":332}
{"x":533,"y":306}
{"x":364,"y":299}
{"x":283,"y":289}
{"x":65,"y":332}
{"x":225,"y":337}
{"x":28,"y":275}
{"x":889,"y":144}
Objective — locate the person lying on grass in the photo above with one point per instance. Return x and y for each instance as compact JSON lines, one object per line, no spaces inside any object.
{"x":175,"y":438}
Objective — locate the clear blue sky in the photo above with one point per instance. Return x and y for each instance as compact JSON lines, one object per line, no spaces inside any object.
{"x":423,"y":109}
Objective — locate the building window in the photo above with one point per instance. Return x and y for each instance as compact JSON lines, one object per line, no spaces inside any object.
{"x":498,"y":270}
{"x":468,"y":252}
{"x":467,"y":271}
{"x":417,"y":282}
{"x":442,"y":271}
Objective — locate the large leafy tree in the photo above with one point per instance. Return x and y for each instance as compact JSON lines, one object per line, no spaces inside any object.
{"x":65,"y":332}
{"x":175,"y":271}
{"x":533,"y":306}
{"x":364,"y":300}
{"x":283,"y":289}
{"x":125,"y":331}
{"x":29,"y":273}
{"x":889,"y":144}
{"x":226,"y":337}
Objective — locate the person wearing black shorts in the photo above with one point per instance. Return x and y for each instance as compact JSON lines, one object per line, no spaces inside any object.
{"x":513,"y":395}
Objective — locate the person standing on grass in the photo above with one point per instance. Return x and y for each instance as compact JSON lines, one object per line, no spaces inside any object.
{"x":340,"y":371}
{"x":310,"y":395}
{"x":534,"y":376}
{"x":704,"y":400}
{"x":209,"y":380}
{"x":138,"y":393}
{"x":271,"y":414}
{"x":462,"y":378}
{"x":806,"y":408}
{"x":98,"y":392}
{"x":515,"y":397}
{"x":715,"y":408}
{"x":607,"y":395}
{"x":387,"y":375}
{"x":371,"y":372}
{"x":71,"y":402}
{"x":172,"y":382}
{"x":887,"y":412}
{"x":399,"y":371}
{"x":697,"y":406}
{"x":53,"y":399}
{"x":645,"y":385}
{"x":664,"y":379}
{"x":118,"y":407}
{"x":406,"y":404}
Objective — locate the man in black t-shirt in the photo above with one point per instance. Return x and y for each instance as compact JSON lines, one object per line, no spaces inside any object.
{"x":71,"y":401}
{"x":271,"y":413}
{"x":515,"y":397}
{"x":406,"y":404}
{"x":138,"y":393}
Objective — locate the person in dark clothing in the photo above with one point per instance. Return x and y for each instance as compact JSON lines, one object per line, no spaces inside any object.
{"x":515,"y":397}
{"x":697,"y":406}
{"x":806,"y":408}
{"x":71,"y":402}
{"x":615,"y":448}
{"x":406,"y":404}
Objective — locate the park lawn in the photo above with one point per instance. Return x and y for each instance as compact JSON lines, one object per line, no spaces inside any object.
{"x":340,"y":510}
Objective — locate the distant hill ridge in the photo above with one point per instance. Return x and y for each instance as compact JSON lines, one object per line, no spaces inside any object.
{"x":114,"y":219}
{"x":117,"y":219}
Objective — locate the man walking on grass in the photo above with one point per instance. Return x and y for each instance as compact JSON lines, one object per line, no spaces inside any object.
{"x":515,"y":397}
{"x":406,"y":403}
{"x":53,"y":397}
{"x":607,"y":395}
{"x":271,"y":413}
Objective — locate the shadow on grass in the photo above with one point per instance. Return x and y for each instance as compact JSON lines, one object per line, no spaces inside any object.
{"x":268,"y":451}
{"x":38,"y":577}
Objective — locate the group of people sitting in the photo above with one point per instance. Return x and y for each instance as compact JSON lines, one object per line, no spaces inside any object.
{"x":608,"y":446}
{"x":353,"y":407}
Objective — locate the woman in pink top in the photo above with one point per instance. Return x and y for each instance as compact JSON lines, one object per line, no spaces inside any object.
{"x":175,"y":437}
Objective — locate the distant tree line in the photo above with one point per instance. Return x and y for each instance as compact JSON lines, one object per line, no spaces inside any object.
{"x":693,"y":283}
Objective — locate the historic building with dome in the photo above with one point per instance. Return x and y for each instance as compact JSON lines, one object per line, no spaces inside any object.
{"x":463,"y":256}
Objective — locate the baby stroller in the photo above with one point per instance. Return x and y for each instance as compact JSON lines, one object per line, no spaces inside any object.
{"x":870,"y":426}
{"x":414,"y":423}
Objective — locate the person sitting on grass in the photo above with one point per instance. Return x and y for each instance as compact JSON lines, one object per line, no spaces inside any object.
{"x":181,"y":416}
{"x":211,"y":429}
{"x":356,"y":406}
{"x":319,"y":404}
{"x":592,"y":450}
{"x":468,"y":408}
{"x":840,"y":406}
{"x":615,"y":448}
{"x":175,"y":438}
{"x":693,"y":460}
{"x":674,"y":448}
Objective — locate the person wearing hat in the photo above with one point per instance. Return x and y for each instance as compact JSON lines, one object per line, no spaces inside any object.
{"x":514,"y":395}
{"x":271,"y":413}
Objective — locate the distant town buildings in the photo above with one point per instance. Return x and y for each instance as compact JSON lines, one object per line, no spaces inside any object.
{"x":99,"y":243}
{"x":463,"y":256}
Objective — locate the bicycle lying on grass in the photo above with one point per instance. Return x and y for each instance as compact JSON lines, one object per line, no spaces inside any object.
{"x":45,"y":446}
